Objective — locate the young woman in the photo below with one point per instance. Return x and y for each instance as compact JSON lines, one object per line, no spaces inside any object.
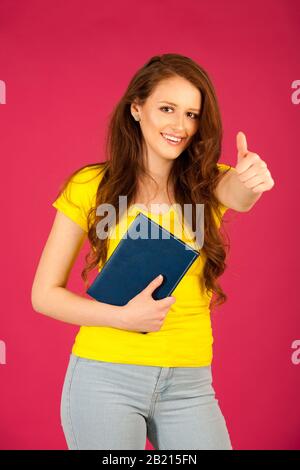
{"x":163,"y":147}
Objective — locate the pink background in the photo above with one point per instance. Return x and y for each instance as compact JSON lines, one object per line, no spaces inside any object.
{"x":65,"y":65}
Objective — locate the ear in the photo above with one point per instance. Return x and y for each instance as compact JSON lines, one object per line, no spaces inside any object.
{"x":135,"y":107}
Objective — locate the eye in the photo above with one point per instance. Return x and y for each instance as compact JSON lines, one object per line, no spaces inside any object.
{"x":165,"y":107}
{"x":196,"y":116}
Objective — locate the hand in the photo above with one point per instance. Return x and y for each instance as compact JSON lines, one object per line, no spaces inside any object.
{"x":252,"y":170}
{"x":143,"y":313}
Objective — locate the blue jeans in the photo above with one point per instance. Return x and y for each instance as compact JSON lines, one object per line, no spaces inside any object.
{"x":106,"y":405}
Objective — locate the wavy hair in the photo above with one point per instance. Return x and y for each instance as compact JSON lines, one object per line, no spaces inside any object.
{"x":194,"y":173}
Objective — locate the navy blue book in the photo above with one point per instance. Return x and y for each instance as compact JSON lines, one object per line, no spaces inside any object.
{"x":146,"y":250}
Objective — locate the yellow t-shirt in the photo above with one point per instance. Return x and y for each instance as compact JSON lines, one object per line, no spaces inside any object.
{"x":185,"y":338}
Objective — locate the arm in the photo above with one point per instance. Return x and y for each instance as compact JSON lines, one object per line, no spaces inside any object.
{"x":49,"y":294}
{"x":242,"y":186}
{"x":232,"y":193}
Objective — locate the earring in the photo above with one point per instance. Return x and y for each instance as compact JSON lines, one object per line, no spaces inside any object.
{"x":136,"y":117}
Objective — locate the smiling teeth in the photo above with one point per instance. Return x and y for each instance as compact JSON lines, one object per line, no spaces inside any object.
{"x":175,"y":139}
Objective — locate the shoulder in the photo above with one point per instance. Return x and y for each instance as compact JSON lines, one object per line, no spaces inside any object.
{"x":89,"y":174}
{"x":78,"y":195}
{"x":85,"y":180}
{"x":81,"y":186}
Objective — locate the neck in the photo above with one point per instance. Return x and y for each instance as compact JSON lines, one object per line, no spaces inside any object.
{"x":159,"y":169}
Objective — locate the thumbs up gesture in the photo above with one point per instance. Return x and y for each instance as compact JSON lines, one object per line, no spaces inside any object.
{"x":252,"y":170}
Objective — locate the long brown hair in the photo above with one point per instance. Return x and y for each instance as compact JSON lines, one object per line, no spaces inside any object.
{"x":194,"y":172}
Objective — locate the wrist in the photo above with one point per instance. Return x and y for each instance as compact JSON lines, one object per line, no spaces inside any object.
{"x":118,"y":319}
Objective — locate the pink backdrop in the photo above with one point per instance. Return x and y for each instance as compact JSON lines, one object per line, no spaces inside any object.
{"x":65,"y":65}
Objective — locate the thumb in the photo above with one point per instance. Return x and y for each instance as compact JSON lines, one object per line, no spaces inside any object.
{"x":241,"y":144}
{"x":153,"y":284}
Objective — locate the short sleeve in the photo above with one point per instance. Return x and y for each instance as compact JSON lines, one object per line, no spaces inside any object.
{"x":223,"y":167}
{"x":79,"y":195}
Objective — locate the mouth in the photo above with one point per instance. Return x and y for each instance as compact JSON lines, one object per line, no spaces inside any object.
{"x":175,"y":141}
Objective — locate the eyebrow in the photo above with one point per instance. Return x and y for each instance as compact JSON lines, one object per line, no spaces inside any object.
{"x":173,"y":104}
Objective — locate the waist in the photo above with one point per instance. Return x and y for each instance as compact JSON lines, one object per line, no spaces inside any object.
{"x":183,"y":340}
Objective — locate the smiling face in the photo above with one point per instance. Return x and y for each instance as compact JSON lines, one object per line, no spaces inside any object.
{"x":172,"y":109}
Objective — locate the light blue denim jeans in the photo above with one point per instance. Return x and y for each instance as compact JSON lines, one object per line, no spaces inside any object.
{"x":107,"y":405}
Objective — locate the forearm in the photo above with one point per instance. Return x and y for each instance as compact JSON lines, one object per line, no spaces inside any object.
{"x":64,"y":305}
{"x":243,"y":197}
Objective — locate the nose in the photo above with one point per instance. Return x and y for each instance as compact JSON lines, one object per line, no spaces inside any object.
{"x":178,"y":123}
